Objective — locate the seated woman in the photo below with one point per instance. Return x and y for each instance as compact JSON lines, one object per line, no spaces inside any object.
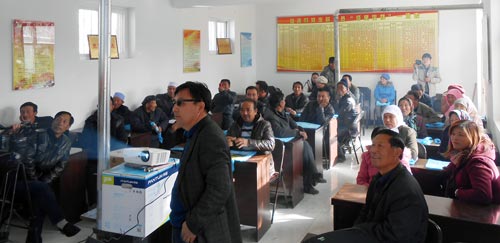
{"x":472,"y":175}
{"x":393,"y":119}
{"x":466,"y":105}
{"x":385,"y":95}
{"x":367,"y":171}
{"x":411,"y":118}
{"x":455,"y":115}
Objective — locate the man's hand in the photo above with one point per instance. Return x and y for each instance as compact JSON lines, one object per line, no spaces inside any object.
{"x":241,"y":142}
{"x":186,"y":234}
{"x":230,"y":141}
{"x":291,"y":111}
{"x":303,"y":134}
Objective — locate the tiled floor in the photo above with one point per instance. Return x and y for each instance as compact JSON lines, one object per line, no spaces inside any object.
{"x":312,"y":215}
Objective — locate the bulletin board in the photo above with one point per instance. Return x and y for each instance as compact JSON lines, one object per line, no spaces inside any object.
{"x":387,"y":41}
{"x":304,"y":43}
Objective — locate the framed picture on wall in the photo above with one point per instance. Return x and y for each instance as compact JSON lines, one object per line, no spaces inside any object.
{"x":94,"y":47}
{"x":224,"y":46}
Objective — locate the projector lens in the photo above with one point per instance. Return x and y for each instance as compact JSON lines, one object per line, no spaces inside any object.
{"x":144,"y":155}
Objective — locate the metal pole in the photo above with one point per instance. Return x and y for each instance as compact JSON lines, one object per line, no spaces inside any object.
{"x":104,"y":100}
{"x":336,"y":42}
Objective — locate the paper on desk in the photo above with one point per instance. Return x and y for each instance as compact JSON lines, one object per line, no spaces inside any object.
{"x":242,"y":155}
{"x":286,"y":140}
{"x":308,"y":125}
{"x":435,"y":164}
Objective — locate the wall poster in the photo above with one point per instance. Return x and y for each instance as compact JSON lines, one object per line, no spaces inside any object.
{"x":387,"y":41}
{"x":304,"y":43}
{"x":191,"y":52}
{"x":246,"y":49}
{"x":33,"y":46}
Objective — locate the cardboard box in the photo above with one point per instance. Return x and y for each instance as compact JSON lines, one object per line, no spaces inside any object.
{"x":130,"y":194}
{"x":116,"y":157}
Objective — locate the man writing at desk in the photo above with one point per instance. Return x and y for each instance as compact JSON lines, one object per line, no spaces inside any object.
{"x":251,"y":131}
{"x":203,"y":201}
{"x":395,"y":209}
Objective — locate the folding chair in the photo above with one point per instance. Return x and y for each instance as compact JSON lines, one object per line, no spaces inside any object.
{"x":422,"y":151}
{"x":278,"y":156}
{"x":351,"y":144}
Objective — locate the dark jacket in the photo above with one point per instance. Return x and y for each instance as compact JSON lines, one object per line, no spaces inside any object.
{"x":262,"y":138}
{"x":224,"y":102}
{"x":283,"y":126}
{"x":166,"y":104}
{"x":44,"y":122}
{"x":297,"y":103}
{"x":395,"y":212}
{"x":52,"y":155}
{"x":124,"y":112}
{"x":313,"y":113}
{"x":140,"y":120}
{"x":117,"y":132}
{"x":426,"y":99}
{"x":346,"y":109}
{"x":206,"y":186}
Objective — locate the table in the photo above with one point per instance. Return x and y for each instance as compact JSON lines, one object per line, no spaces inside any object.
{"x":292,"y":171}
{"x":315,"y":139}
{"x":251,"y":184}
{"x":459,"y":221}
{"x":429,"y":179}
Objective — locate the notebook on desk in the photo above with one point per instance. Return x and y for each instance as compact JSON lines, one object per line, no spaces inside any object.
{"x":435,"y":164}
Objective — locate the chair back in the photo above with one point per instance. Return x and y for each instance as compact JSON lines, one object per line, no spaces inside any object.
{"x":436,"y":102}
{"x":278,"y":155}
{"x":434,"y":232}
{"x":422,"y":151}
{"x":357,"y":124}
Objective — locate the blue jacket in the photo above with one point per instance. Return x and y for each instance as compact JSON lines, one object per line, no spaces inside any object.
{"x":385,"y":92}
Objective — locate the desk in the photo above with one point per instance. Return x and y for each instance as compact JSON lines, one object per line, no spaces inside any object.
{"x":429,"y":179}
{"x":251,"y":184}
{"x":435,"y":132}
{"x":332,"y":131}
{"x":315,"y":139}
{"x":292,"y":171}
{"x":459,"y":221}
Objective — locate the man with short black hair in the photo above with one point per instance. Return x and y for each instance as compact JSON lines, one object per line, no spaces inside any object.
{"x":427,"y":113}
{"x":346,"y":110}
{"x":352,"y":88}
{"x":224,"y":102}
{"x":28,"y":115}
{"x":423,"y":97}
{"x":395,"y":208}
{"x":330,"y":72}
{"x":426,"y":75}
{"x":318,"y":111}
{"x":203,"y":201}
{"x":296,"y":101}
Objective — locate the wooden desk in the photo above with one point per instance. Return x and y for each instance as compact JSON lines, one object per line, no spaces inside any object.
{"x":251,"y":184}
{"x":315,"y":139}
{"x":332,"y":131}
{"x":72,"y":196}
{"x":293,"y":171}
{"x":429,"y":180}
{"x":459,"y":221}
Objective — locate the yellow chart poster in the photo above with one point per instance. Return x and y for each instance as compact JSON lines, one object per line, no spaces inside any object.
{"x":33,"y":54}
{"x":387,"y":41}
{"x":304,"y":43}
{"x":191,"y":52}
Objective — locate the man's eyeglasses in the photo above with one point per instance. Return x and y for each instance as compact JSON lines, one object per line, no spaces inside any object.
{"x":180,"y":101}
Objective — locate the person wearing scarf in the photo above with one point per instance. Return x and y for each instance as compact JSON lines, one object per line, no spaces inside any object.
{"x":393,"y":119}
{"x":411,"y":118}
{"x":472,"y":175}
{"x":455,"y":115}
{"x":467,"y":105}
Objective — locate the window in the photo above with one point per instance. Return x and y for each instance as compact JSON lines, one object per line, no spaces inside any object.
{"x":89,"y":25}
{"x":218,"y":29}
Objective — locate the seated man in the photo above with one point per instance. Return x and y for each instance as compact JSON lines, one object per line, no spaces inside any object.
{"x":318,"y":111}
{"x":296,"y":101}
{"x":321,"y":83}
{"x":118,"y":139}
{"x":284,"y":126}
{"x":28,"y":115}
{"x":346,"y":110}
{"x":251,"y":131}
{"x":121,"y":109}
{"x":147,"y":118}
{"x":224,"y":102}
{"x":427,"y":113}
{"x":352,"y":88}
{"x":166,"y":101}
{"x":395,"y":208}
{"x":422,"y":97}
{"x":43,"y":167}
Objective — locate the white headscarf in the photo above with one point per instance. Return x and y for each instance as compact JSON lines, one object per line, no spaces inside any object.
{"x":394,"y":109}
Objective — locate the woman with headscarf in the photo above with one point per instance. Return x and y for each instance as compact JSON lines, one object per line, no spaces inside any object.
{"x":411,"y":118}
{"x":454,"y":115}
{"x":472,"y":175}
{"x":393,"y":119}
{"x":466,"y":105}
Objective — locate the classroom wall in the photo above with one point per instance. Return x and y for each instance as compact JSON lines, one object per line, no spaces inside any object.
{"x":457,"y":43}
{"x":157,"y":57}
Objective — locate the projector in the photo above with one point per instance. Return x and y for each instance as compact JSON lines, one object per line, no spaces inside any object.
{"x":146,"y":156}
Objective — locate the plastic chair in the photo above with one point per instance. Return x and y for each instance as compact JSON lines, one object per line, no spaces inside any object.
{"x":422,"y":151}
{"x":278,"y":157}
{"x":434,"y":232}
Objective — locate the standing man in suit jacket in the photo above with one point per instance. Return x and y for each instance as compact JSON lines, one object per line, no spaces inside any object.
{"x":203,"y":201}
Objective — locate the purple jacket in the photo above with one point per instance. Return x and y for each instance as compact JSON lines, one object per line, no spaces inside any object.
{"x":477,"y":180}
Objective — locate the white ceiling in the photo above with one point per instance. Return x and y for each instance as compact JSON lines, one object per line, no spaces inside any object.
{"x":208,"y":3}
